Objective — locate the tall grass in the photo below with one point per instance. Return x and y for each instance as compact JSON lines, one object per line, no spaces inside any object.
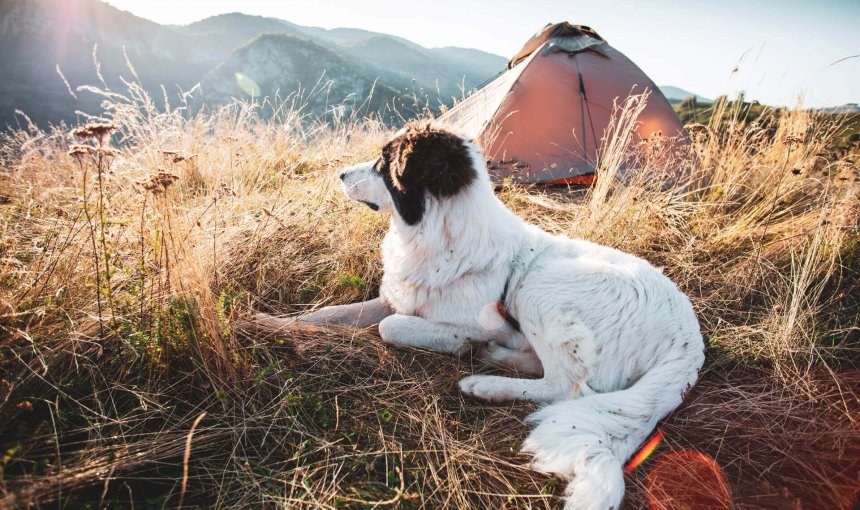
{"x":129,"y":259}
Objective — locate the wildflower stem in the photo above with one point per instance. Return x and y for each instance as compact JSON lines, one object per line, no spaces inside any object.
{"x":103,"y":225}
{"x":85,"y":171}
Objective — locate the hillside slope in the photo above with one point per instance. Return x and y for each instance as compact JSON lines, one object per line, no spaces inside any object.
{"x":37,"y":36}
{"x":441,"y":73}
{"x":282,"y":65}
{"x":677,"y":94}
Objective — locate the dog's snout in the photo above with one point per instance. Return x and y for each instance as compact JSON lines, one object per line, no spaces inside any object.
{"x":342,"y":175}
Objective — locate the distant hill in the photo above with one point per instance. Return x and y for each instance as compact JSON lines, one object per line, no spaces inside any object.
{"x":393,"y":60}
{"x":38,"y":35}
{"x":239,"y":25}
{"x":349,"y":36}
{"x":470,"y":61}
{"x":845,"y":108}
{"x":400,"y":63}
{"x":277,"y":65}
{"x":677,"y":94}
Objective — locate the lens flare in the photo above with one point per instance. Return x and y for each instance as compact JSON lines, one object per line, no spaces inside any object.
{"x":645,"y":452}
{"x":687,"y":479}
{"x":248,"y":85}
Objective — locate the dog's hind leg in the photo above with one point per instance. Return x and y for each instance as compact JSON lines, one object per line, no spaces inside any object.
{"x":494,"y":388}
{"x":564,"y":353}
{"x":356,"y":315}
{"x":412,"y":331}
{"x":525,"y":362}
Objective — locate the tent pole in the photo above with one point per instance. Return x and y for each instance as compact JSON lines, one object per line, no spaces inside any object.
{"x":583,"y":99}
{"x":582,"y":106}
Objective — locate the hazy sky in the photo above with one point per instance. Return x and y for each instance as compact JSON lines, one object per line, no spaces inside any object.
{"x":784,"y":47}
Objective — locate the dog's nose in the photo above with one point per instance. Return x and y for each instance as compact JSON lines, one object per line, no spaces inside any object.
{"x":342,"y":175}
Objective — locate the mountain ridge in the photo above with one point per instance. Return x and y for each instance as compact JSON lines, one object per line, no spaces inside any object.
{"x":40,"y":36}
{"x":271,"y":75}
{"x":677,"y":94}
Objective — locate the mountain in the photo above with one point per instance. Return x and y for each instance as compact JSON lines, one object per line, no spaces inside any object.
{"x":845,"y":108}
{"x":403,"y":63}
{"x":39,"y":35}
{"x":239,"y":24}
{"x":277,"y":65}
{"x":676,"y":94}
{"x":347,"y":36}
{"x":232,"y":31}
{"x":472,"y":62}
{"x":442,"y":73}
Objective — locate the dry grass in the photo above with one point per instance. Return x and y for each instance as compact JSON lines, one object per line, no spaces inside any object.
{"x":127,"y":263}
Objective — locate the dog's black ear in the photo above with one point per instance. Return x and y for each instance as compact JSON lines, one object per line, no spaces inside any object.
{"x":425,"y":160}
{"x":408,"y":203}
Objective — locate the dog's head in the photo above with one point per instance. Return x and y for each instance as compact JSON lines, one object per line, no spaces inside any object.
{"x":421,"y":163}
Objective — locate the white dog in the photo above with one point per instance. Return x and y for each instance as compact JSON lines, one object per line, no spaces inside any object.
{"x":615,"y":342}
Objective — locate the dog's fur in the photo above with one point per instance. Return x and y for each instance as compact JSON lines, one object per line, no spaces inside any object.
{"x":617,"y":345}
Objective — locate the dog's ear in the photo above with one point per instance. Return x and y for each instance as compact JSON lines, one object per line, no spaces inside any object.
{"x":425,"y":159}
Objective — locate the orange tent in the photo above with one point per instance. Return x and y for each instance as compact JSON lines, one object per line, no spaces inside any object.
{"x":543,"y":119}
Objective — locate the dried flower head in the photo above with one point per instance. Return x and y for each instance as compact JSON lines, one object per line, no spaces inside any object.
{"x":698,"y":128}
{"x":79,"y":151}
{"x":176,"y":156}
{"x":224,"y":190}
{"x":95,"y":130}
{"x":699,"y":132}
{"x":158,"y":183}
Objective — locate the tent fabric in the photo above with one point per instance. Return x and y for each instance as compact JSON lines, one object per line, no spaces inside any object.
{"x":472,"y":116}
{"x":561,"y":34}
{"x":544,"y":119}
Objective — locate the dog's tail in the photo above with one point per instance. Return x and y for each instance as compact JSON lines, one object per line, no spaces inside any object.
{"x":588,"y":439}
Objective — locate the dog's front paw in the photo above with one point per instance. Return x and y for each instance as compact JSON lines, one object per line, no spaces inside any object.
{"x":482,"y":388}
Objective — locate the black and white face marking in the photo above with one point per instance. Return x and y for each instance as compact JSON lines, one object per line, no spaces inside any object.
{"x":363,"y":183}
{"x":421,"y":160}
